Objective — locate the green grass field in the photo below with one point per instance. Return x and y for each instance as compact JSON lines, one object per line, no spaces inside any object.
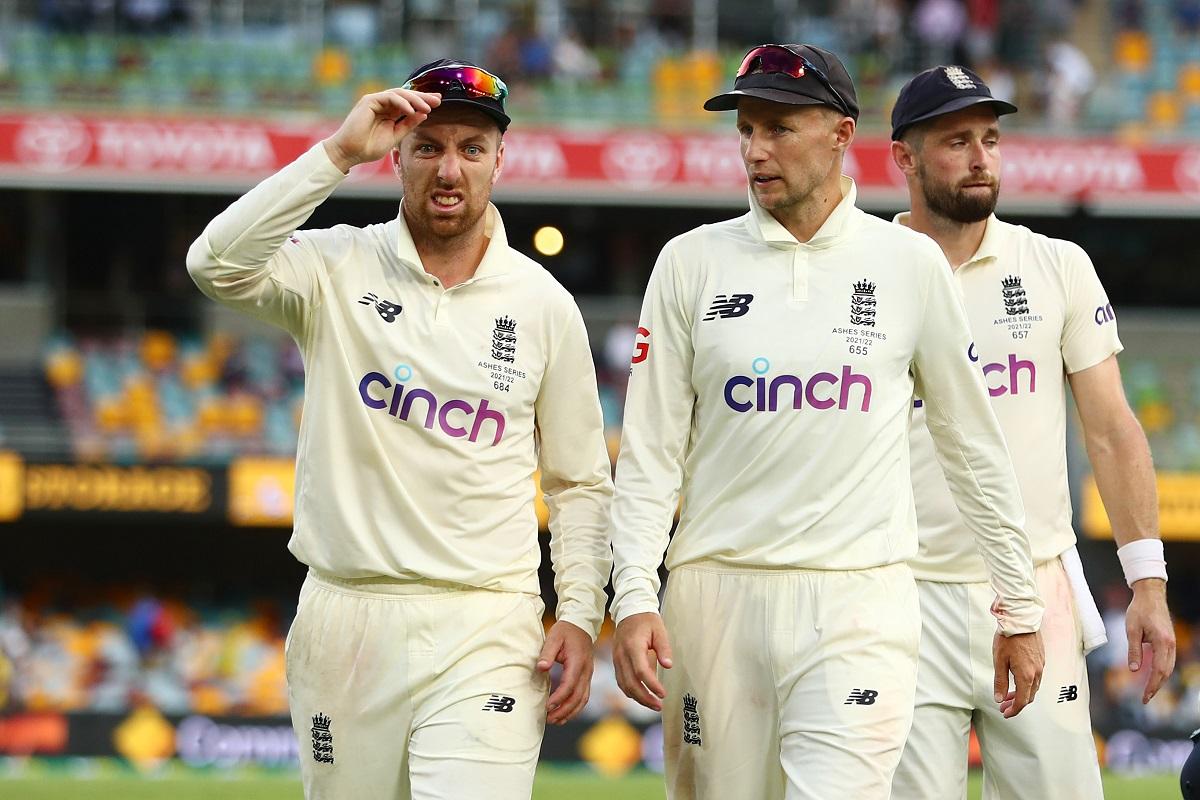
{"x":553,"y":783}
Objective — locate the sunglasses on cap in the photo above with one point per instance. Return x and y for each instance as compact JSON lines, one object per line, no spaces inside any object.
{"x":772,"y":59}
{"x":458,"y":78}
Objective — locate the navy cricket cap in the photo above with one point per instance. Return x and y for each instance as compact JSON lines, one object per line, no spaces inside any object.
{"x":795,"y":74}
{"x":941,"y":90}
{"x":463,"y":83}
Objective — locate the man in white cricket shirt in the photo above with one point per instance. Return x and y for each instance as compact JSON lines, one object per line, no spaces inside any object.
{"x":1037,"y":311}
{"x":442,"y":368}
{"x":772,"y":383}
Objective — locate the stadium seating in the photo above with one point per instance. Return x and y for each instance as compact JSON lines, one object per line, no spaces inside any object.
{"x":158,"y":397}
{"x":161,"y":399}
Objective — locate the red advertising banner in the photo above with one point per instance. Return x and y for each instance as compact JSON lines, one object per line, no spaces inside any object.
{"x":636,"y":166}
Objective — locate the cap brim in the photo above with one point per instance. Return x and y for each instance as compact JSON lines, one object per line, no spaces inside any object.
{"x":958,"y":104}
{"x":500,"y":117}
{"x":729,"y":100}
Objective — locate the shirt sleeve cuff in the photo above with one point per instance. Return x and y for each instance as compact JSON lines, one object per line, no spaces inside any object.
{"x":1023,"y":618}
{"x":634,"y":603}
{"x":585,"y":622}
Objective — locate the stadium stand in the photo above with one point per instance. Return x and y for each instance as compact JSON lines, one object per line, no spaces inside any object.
{"x":1051,"y":57}
{"x":155,"y":397}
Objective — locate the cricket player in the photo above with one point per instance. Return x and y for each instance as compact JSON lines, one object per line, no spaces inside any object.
{"x":1038,"y":312}
{"x":1189,"y":776}
{"x":442,"y":368}
{"x":772,"y":382}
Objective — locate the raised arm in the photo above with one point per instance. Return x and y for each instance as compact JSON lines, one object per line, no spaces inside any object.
{"x":250,"y":258}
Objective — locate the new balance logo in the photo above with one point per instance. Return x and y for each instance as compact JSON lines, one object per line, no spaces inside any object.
{"x":863,"y":697}
{"x":322,"y":739}
{"x":499,"y":702}
{"x":1068,"y":693}
{"x":387,"y":310}
{"x":727,"y":306}
{"x":691,"y":721}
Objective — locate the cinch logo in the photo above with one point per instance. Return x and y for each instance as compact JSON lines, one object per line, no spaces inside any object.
{"x":403,"y":400}
{"x":1105,"y":314}
{"x":1014,"y":368}
{"x":767,"y":393}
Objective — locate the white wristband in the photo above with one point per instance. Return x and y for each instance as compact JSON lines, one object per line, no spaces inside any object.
{"x":1142,"y":558}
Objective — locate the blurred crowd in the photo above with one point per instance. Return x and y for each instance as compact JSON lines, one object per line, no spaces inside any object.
{"x":161,"y":398}
{"x":131,"y":649}
{"x":183,"y":655}
{"x":157,"y":397}
{"x":1038,"y":53}
{"x":1117,"y":692}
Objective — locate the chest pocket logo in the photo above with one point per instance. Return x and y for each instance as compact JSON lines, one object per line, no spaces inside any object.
{"x":729,"y":306}
{"x":504,"y":340}
{"x":862,"y":304}
{"x":1015,"y":300}
{"x":387,"y":310}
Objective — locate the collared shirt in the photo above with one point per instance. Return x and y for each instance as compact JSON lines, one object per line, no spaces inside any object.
{"x":772,"y":384}
{"x":1037,"y":311}
{"x":426,"y":410}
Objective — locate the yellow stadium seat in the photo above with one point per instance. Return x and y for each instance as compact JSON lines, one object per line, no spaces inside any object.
{"x":220,"y":348}
{"x":64,"y":368}
{"x":1163,"y":110}
{"x":158,"y":350}
{"x":331,"y":67}
{"x":1189,"y":81}
{"x":1133,"y":134}
{"x":1155,"y":416}
{"x":198,"y":371}
{"x":212,"y":415}
{"x":111,"y":414}
{"x":152,"y":442}
{"x":667,"y":80}
{"x":1133,"y":51}
{"x":245,"y":415}
{"x":210,"y":700}
{"x":370,"y":86}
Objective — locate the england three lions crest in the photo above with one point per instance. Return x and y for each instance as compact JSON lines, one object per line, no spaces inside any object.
{"x":862,"y":304}
{"x":1015,"y":300}
{"x":322,"y":739}
{"x":504,"y":340}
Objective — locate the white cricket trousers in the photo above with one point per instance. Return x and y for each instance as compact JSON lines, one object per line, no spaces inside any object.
{"x":1046,"y":751}
{"x":793,"y":684}
{"x":421,"y":690}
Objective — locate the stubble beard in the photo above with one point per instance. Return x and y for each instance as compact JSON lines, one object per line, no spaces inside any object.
{"x":424,"y":226}
{"x":792,"y":197}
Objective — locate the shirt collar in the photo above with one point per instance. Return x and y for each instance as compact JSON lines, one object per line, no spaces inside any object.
{"x":495,"y":257}
{"x":989,"y":245}
{"x":766,"y":227}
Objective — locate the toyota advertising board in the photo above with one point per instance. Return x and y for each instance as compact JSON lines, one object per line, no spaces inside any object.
{"x":640,"y":167}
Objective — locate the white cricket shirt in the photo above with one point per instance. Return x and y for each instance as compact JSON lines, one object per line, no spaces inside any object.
{"x":426,"y":410}
{"x":1038,"y":312}
{"x":772,"y":380}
